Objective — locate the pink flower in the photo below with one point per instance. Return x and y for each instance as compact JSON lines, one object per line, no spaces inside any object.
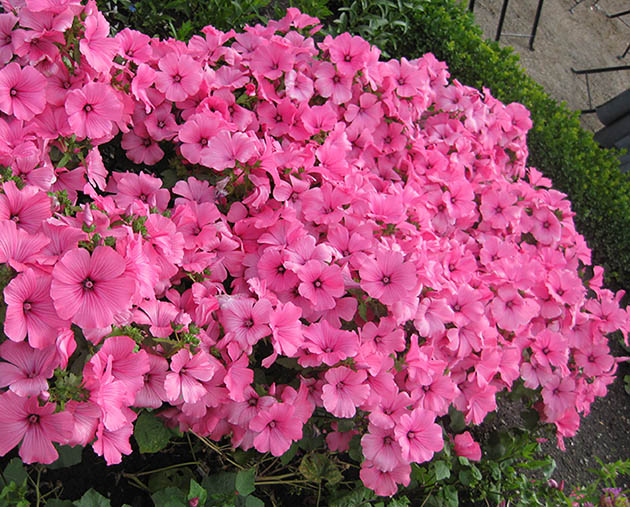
{"x":21,"y":91}
{"x":24,"y":420}
{"x":30,"y":310}
{"x":187,"y":374}
{"x":28,"y":207}
{"x":227,"y":149}
{"x":26,"y":369}
{"x":91,"y":289}
{"x":276,"y":428}
{"x":381,"y":447}
{"x":98,"y":48}
{"x":179,"y":78}
{"x":384,"y":483}
{"x":418,"y":435}
{"x":152,"y":393}
{"x":286,"y":329}
{"x":465,"y":446}
{"x":321,"y":284}
{"x":328,"y":345}
{"x":344,"y":391}
{"x":387,"y":278}
{"x":112,"y":444}
{"x":92,"y":110}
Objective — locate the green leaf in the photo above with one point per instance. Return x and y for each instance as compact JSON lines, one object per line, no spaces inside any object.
{"x":15,"y":471}
{"x":170,"y":497}
{"x":177,"y":477}
{"x":223,"y":483}
{"x":442,"y":470}
{"x":57,"y":502}
{"x":355,"y":498}
{"x":252,"y":501}
{"x":458,"y":422}
{"x":402,"y":501}
{"x":197,"y":491}
{"x":245,"y":481}
{"x":450,"y":497}
{"x":92,"y":498}
{"x":317,"y":467}
{"x":290,"y":454}
{"x":150,"y":433}
{"x":68,"y":456}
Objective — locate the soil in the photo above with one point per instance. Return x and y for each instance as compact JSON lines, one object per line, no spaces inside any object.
{"x":576,"y":35}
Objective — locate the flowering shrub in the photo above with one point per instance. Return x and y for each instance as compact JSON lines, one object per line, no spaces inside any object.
{"x":344,"y":238}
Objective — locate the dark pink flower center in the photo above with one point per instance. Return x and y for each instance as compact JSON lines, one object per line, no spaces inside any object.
{"x":87,"y":108}
{"x":88,"y":284}
{"x":177,"y":78}
{"x":317,"y":283}
{"x":13,"y":92}
{"x":203,"y":141}
{"x":161,"y":124}
{"x":386,"y":280}
{"x":411,"y":435}
{"x":33,"y":419}
{"x":27,"y":306}
{"x":16,"y":219}
{"x":272,"y":424}
{"x":248,"y":323}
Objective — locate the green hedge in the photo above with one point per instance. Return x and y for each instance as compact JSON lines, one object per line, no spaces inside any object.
{"x":558,"y":146}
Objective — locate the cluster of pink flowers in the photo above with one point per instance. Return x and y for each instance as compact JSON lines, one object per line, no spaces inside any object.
{"x":362,"y":239}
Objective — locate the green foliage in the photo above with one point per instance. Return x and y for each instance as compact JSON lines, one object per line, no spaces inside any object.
{"x":150,"y":433}
{"x":180,"y":19}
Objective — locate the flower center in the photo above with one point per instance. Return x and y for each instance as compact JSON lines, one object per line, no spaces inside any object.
{"x":88,"y":108}
{"x":177,"y":78}
{"x":386,"y":280}
{"x":272,"y":424}
{"x":317,"y":283}
{"x":248,"y":323}
{"x":88,"y":284}
{"x":27,"y":306}
{"x":33,"y":419}
{"x":13,"y":92}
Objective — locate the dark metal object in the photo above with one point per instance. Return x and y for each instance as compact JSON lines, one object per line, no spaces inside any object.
{"x":618,"y":14}
{"x":598,"y":70}
{"x":532,"y":35}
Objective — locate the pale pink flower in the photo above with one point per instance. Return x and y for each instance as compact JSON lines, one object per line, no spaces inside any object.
{"x":24,"y":420}
{"x":226,"y":149}
{"x":187,"y":373}
{"x":30,"y":310}
{"x":21,"y":91}
{"x":465,"y":446}
{"x":91,"y":289}
{"x":381,"y":447}
{"x":180,"y":77}
{"x":418,"y":435}
{"x":92,"y":110}
{"x":387,"y":278}
{"x":152,"y":393}
{"x":112,"y":444}
{"x":96,"y":45}
{"x":276,"y":428}
{"x":26,"y":369}
{"x":328,"y":345}
{"x":344,"y":391}
{"x":384,"y":483}
{"x":321,"y":284}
